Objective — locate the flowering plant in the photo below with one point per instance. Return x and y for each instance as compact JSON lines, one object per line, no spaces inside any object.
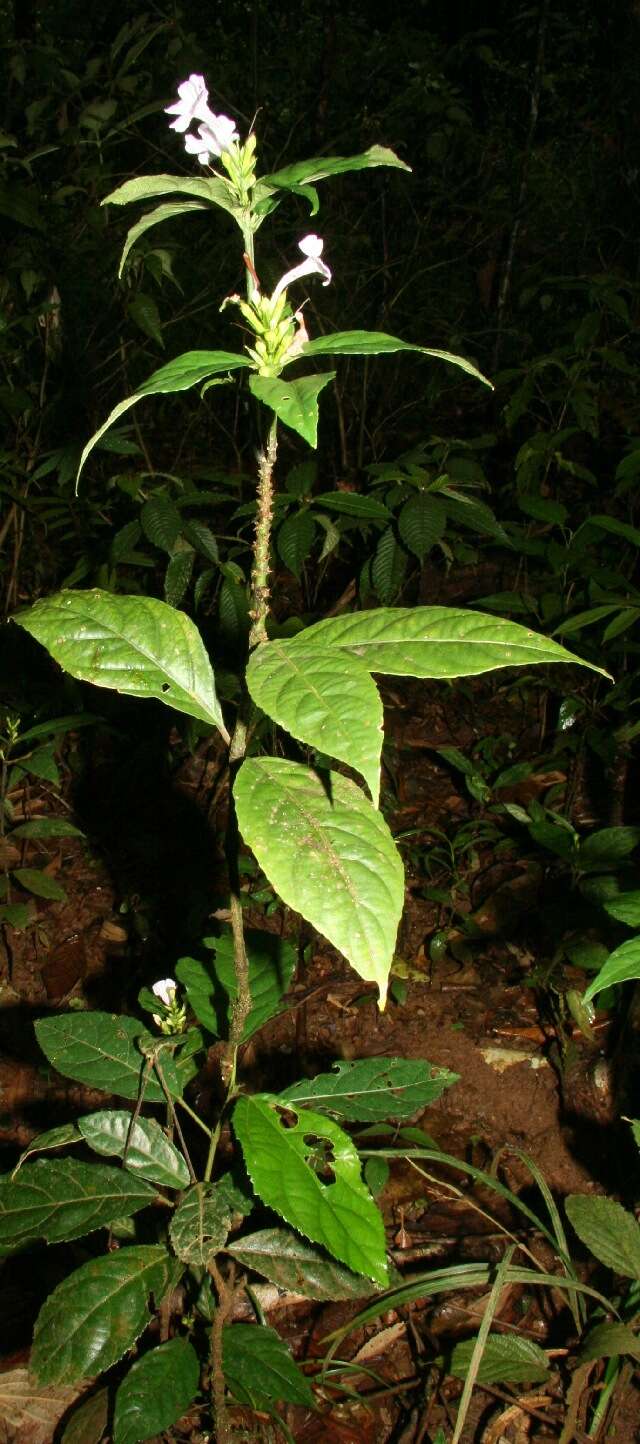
{"x":324,"y":846}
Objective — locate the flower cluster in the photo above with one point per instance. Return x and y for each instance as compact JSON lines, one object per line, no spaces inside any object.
{"x":174,"y":1017}
{"x":280,"y":332}
{"x":216,"y":133}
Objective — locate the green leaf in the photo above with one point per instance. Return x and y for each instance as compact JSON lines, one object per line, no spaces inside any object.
{"x":211,"y":189}
{"x":295,"y":539}
{"x":608,"y":1231}
{"x":608,"y":846}
{"x":622,"y":966}
{"x":201,"y":537}
{"x":135,"y":645}
{"x":46,"y":827}
{"x":200,"y":1224}
{"x":142,"y":1145}
{"x":156,"y":1392}
{"x":329,"y":854}
{"x":372,"y":1090}
{"x":211,"y":987}
{"x":88,"y":1423}
{"x":321,"y":167}
{"x":308,"y":1170}
{"x":61,"y":1198}
{"x":259,"y":1370}
{"x":421,"y":523}
{"x":61,"y":1137}
{"x":178,"y":375}
{"x":98,"y":1312}
{"x":624,"y":907}
{"x":378,"y":343}
{"x":144,"y":311}
{"x":506,"y":1359}
{"x":101,"y":1050}
{"x":294,"y":402}
{"x":17,"y":915}
{"x":353,"y":503}
{"x":178,"y":576}
{"x":290,"y":1263}
{"x":606,"y":1341}
{"x":153,"y":218}
{"x":161,"y":522}
{"x":388,"y":567}
{"x":39,"y":883}
{"x":323,"y":698}
{"x":437,"y":642}
{"x":41,"y":763}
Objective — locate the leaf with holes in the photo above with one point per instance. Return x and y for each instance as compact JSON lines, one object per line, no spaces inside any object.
{"x":323,"y":698}
{"x":506,"y":1359}
{"x":372,"y":1090}
{"x":61,"y":1198}
{"x":141,"y":1143}
{"x":161,"y":522}
{"x":421,"y":523}
{"x":178,"y":375}
{"x":329,"y":854}
{"x":291,"y":1264}
{"x":156,"y":1392}
{"x":303,"y":1166}
{"x":378,"y":343}
{"x":437,"y":642}
{"x":294,"y":402}
{"x":200,"y":1224}
{"x":259,"y":1370}
{"x":622,"y":966}
{"x":211,"y":987}
{"x":608,"y":1231}
{"x":135,"y":645}
{"x":102,"y":1050}
{"x":295,"y":539}
{"x":97,"y":1313}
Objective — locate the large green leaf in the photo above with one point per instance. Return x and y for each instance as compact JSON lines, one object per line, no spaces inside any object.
{"x":373,"y":1090}
{"x":608,"y":1230}
{"x":213,"y":189}
{"x":436,"y":642}
{"x":156,"y":1392}
{"x":622,"y":966}
{"x":98,"y":1312}
{"x":329,"y":854}
{"x":61,"y":1198}
{"x":322,"y":166}
{"x":506,"y":1359}
{"x":178,"y":375}
{"x":141,"y":1144}
{"x":287,"y":1261}
{"x":259,"y":1370}
{"x":304,"y":1167}
{"x":294,"y":402}
{"x":103,"y":1051}
{"x":135,"y":645}
{"x":153,"y":218}
{"x":378,"y":343}
{"x":200,"y":1224}
{"x":211,"y":987}
{"x":325,"y":698}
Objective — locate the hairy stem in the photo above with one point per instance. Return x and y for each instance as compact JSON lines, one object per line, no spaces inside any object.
{"x":262,"y":544}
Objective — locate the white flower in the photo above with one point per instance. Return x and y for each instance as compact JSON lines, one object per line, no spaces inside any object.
{"x":165,"y":990}
{"x":214,"y":136}
{"x":311,"y":247}
{"x":192,"y":104}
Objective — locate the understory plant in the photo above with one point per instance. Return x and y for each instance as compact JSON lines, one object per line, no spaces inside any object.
{"x":171,"y":1189}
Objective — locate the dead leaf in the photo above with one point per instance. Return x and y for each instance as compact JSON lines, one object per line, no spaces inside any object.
{"x":29,"y":1412}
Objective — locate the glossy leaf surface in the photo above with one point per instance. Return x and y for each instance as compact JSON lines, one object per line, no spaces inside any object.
{"x":62,"y":1198}
{"x":378,"y":343}
{"x":259,"y":1369}
{"x":103,"y":1051}
{"x":142,"y":1145}
{"x":294,"y":402}
{"x":287,"y":1261}
{"x":156,"y":1392}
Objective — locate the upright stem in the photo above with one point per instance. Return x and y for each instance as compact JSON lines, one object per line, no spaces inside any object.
{"x":262,"y":544}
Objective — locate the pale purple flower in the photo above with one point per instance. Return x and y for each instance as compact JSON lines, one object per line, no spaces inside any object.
{"x":311,"y":247}
{"x":214,"y":136}
{"x":191,"y":105}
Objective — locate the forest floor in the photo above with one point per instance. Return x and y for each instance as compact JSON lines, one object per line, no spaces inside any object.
{"x":476,"y":989}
